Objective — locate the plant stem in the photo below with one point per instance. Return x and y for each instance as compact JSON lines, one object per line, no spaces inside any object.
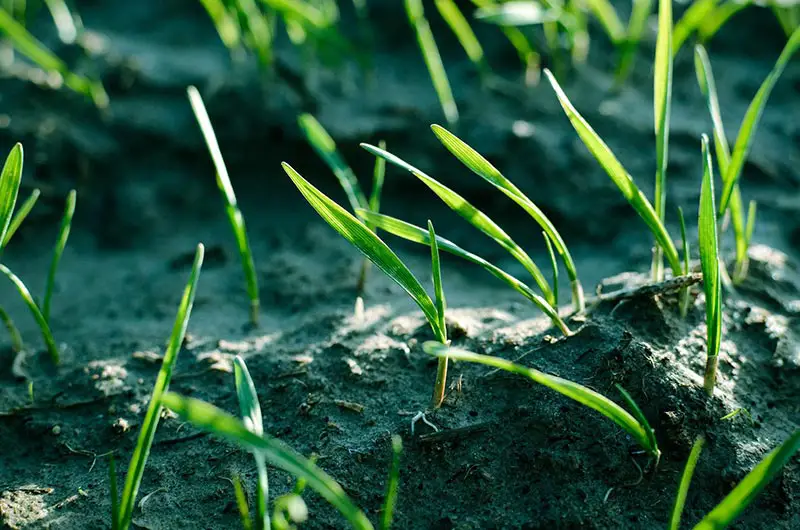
{"x":710,"y":378}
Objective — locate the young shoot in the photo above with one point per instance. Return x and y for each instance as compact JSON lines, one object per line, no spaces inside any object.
{"x":635,"y":424}
{"x":61,"y":243}
{"x":683,"y":487}
{"x":369,"y":244}
{"x":748,"y":489}
{"x":710,"y":264}
{"x":209,"y":418}
{"x":19,"y":217}
{"x":463,"y":32}
{"x":124,"y":515}
{"x":433,"y":60}
{"x":392,"y":485}
{"x":235,"y":216}
{"x":441,"y":305}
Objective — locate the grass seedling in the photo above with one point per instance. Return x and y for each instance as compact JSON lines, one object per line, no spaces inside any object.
{"x":392,"y":485}
{"x":241,"y":503}
{"x":61,"y":243}
{"x":207,"y":417}
{"x":636,"y":425}
{"x":620,"y":177}
{"x":235,"y":216}
{"x":441,"y":305}
{"x":662,"y":101}
{"x":365,"y":240}
{"x":710,"y":264}
{"x":144,"y":442}
{"x":683,"y":487}
{"x":251,"y":416}
{"x":22,"y":213}
{"x":554,"y":266}
{"x":433,"y":60}
{"x":637,"y":23}
{"x":34,"y":50}
{"x":683,"y":297}
{"x":420,"y":235}
{"x":10,"y":179}
{"x":752,"y":484}
{"x":112,"y":481}
{"x":463,"y":32}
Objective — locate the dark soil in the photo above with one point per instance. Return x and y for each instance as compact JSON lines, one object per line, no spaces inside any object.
{"x":508,"y":454}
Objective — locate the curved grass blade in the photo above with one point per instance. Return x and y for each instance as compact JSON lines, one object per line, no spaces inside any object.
{"x":709,"y":261}
{"x":620,"y":176}
{"x":640,"y":417}
{"x":420,"y":235}
{"x":37,"y":314}
{"x":662,"y":101}
{"x":61,"y":243}
{"x":365,"y":240}
{"x":235,"y":216}
{"x":325,"y":147}
{"x":209,"y":418}
{"x":13,"y":332}
{"x":19,"y":217}
{"x":34,"y":50}
{"x":683,"y":296}
{"x":686,"y":480}
{"x":605,"y":13}
{"x":463,"y":32}
{"x":749,"y":488}
{"x":690,"y":21}
{"x":636,"y":25}
{"x":251,"y":415}
{"x":392,"y":485}
{"x":574,"y":391}
{"x":441,"y":305}
{"x":472,"y":215}
{"x":750,"y":121}
{"x":150,"y":423}
{"x":717,"y":18}
{"x":10,"y":178}
{"x":225,"y":22}
{"x":433,"y":60}
{"x":241,"y":503}
{"x":475,"y":162}
{"x":554,"y":266}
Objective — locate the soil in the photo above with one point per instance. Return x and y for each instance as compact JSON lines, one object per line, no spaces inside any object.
{"x":509,"y":454}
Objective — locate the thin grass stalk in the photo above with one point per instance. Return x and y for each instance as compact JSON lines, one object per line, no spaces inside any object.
{"x":683,"y":295}
{"x":690,"y":21}
{"x":150,"y":423}
{"x":554,"y":266}
{"x":463,"y":32}
{"x":636,"y":25}
{"x":439,"y":387}
{"x":235,"y":216}
{"x":20,"y":215}
{"x":241,"y":503}
{"x":35,"y":311}
{"x":605,"y":13}
{"x":710,"y":263}
{"x":686,"y":480}
{"x":662,"y":91}
{"x":34,"y":50}
{"x":433,"y":60}
{"x":63,"y":19}
{"x":58,"y":251}
{"x":13,"y":332}
{"x":717,"y":18}
{"x":392,"y":485}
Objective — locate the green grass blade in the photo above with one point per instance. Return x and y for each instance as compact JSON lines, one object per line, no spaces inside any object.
{"x":475,"y":162}
{"x":392,"y":485}
{"x":572,"y":390}
{"x":10,"y":178}
{"x":58,"y":251}
{"x":241,"y":503}
{"x":690,"y":21}
{"x":605,"y":13}
{"x":463,"y":32}
{"x":112,"y":480}
{"x":619,"y":176}
{"x":749,"y":488}
{"x":235,"y":216}
{"x":433,"y":60}
{"x":473,"y":216}
{"x":378,"y":176}
{"x":527,"y":54}
{"x":441,"y":305}
{"x":686,"y":480}
{"x":257,"y":26}
{"x":717,"y":18}
{"x":662,"y":97}
{"x":420,"y":235}
{"x":34,"y":50}
{"x":710,"y":264}
{"x":640,"y":417}
{"x":22,"y":213}
{"x":705,"y":78}
{"x":365,"y":240}
{"x":209,"y":418}
{"x":251,"y":415}
{"x":752,"y":207}
{"x":37,"y":314}
{"x":225,"y":22}
{"x":749,"y":124}
{"x":13,"y":332}
{"x":636,"y":25}
{"x":554,"y":266}
{"x":684,"y":293}
{"x":150,"y":423}
{"x":325,"y":147}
